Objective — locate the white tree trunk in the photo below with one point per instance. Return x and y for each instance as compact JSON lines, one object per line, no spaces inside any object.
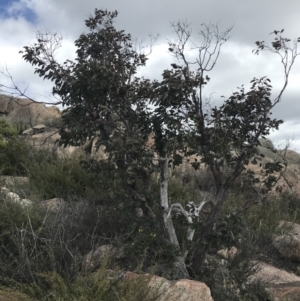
{"x":164,"y":202}
{"x":168,"y":224}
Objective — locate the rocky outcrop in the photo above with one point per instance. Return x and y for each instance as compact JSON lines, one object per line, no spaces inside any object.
{"x":267,"y":143}
{"x":46,"y":137}
{"x":40,"y":128}
{"x":280,"y":284}
{"x":288,"y":243}
{"x":26,"y":111}
{"x":43,"y":137}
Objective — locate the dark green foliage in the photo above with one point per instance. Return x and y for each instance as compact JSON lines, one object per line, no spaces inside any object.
{"x":61,"y":177}
{"x":14,"y":158}
{"x":6,"y":130}
{"x":14,"y":153}
{"x":99,"y":89}
{"x":230,"y":283}
{"x":291,"y":205}
{"x":146,"y":246}
{"x":16,"y":237}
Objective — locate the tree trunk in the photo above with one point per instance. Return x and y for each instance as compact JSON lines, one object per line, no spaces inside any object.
{"x":168,"y":224}
{"x":164,"y":202}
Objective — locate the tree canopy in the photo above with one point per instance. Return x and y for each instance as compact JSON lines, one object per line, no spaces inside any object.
{"x":104,"y":98}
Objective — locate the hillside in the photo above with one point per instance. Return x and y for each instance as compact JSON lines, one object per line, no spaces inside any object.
{"x":71,"y":228}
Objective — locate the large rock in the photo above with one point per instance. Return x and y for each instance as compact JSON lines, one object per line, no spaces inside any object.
{"x":105,"y":252}
{"x":40,"y":128}
{"x":228,"y":253}
{"x":288,"y":243}
{"x":14,"y":198}
{"x":180,"y":290}
{"x":43,"y":137}
{"x":53,"y":204}
{"x":280,"y":284}
{"x":26,"y":111}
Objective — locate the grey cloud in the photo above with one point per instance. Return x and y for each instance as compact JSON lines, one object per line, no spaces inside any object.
{"x":253,"y":21}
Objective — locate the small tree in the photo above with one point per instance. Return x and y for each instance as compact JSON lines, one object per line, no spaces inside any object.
{"x":226,"y":138}
{"x":105,"y":99}
{"x":102,"y":96}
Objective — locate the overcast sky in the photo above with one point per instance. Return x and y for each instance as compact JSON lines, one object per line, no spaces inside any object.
{"x":253,"y":20}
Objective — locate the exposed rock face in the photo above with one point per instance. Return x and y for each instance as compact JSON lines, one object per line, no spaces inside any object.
{"x":288,"y":244}
{"x":46,"y":137}
{"x":26,"y":111}
{"x":267,"y":143}
{"x":180,"y":290}
{"x":280,"y":284}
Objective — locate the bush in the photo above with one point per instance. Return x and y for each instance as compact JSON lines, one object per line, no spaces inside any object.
{"x":97,"y":286}
{"x":17,"y":239}
{"x":228,"y":279}
{"x":14,"y":153}
{"x":6,"y":130}
{"x":102,"y":285}
{"x":65,"y":177}
{"x":43,"y":253}
{"x":36,"y":241}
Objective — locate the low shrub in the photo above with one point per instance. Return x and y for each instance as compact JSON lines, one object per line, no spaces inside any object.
{"x":61,"y":177}
{"x":102,"y":285}
{"x":14,"y":153}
